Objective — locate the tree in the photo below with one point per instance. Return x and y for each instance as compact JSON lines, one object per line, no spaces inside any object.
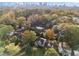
{"x":71,"y":37}
{"x":51,"y":52}
{"x":49,"y":34}
{"x":10,"y":14}
{"x":22,"y":12}
{"x":36,"y":20}
{"x":5,"y":30}
{"x":29,"y":36}
{"x":65,"y":19}
{"x":8,"y":19}
{"x":21,"y":20}
{"x":11,"y":49}
{"x":48,"y":17}
{"x":2,"y":49}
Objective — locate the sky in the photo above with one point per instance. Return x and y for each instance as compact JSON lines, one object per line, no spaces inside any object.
{"x":39,"y":0}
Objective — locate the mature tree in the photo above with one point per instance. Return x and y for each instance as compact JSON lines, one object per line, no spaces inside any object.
{"x":29,"y":36}
{"x":21,"y":20}
{"x":5,"y":30}
{"x":71,"y":37}
{"x":11,"y":49}
{"x":48,"y":17}
{"x":51,"y":52}
{"x":36,"y":20}
{"x":8,"y":19}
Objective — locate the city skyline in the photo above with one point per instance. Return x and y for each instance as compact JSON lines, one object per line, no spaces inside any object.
{"x":48,"y":4}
